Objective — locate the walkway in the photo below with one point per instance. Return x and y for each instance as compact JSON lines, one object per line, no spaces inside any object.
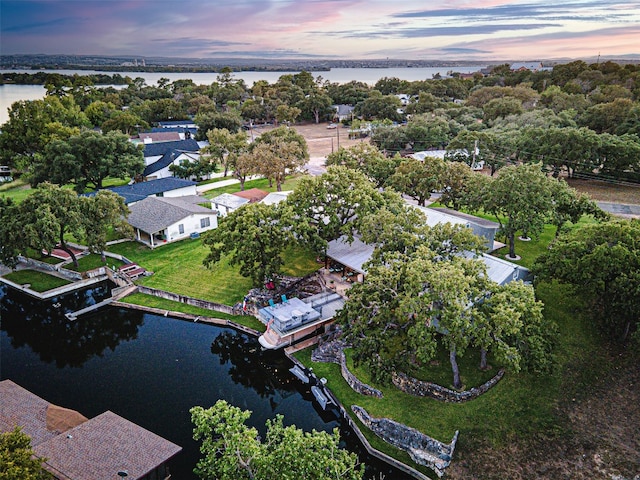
{"x":200,"y":189}
{"x":620,"y":209}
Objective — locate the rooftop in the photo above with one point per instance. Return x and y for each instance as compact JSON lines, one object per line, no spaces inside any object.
{"x":104,"y":445}
{"x":253,"y":194}
{"x":229,"y":200}
{"x":154,"y":214}
{"x":139,"y":191}
{"x":81,"y":449}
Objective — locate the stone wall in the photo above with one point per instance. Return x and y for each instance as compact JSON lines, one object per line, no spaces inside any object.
{"x":333,"y":352}
{"x":419,"y":388}
{"x":422,"y":449}
{"x":37,"y":264}
{"x":196,"y":302}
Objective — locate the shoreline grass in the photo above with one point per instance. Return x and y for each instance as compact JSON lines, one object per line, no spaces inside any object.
{"x":172,"y":306}
{"x":520,"y":405}
{"x":37,"y":281}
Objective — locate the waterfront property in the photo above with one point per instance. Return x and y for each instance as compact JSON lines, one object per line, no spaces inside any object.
{"x":75,"y":447}
{"x":295,"y":319}
{"x":159,"y":220}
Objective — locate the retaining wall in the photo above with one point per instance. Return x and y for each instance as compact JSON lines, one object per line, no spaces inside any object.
{"x":416,"y":387}
{"x":196,"y":302}
{"x":333,"y":352}
{"x":422,"y":449}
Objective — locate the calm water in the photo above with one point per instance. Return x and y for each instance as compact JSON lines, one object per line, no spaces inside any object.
{"x":13,"y":93}
{"x":152,"y":370}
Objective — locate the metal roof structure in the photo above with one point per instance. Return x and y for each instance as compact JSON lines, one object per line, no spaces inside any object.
{"x":229,"y":200}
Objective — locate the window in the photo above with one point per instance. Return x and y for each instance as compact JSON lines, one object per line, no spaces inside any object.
{"x":205,"y":222}
{"x":181,"y":228}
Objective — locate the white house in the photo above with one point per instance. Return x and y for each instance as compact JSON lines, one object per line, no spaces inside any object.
{"x":163,"y":187}
{"x":160,"y":220}
{"x":226,"y":203}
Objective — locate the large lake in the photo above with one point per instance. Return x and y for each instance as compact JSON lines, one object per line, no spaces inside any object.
{"x":151,"y":370}
{"x":13,"y":93}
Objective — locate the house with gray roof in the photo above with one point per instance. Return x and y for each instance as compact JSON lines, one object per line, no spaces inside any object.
{"x":355,"y":254}
{"x":106,"y":446}
{"x":162,"y":187}
{"x":160,"y":220}
{"x":161,"y":168}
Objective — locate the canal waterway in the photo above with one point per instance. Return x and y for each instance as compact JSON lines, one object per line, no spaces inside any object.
{"x":152,"y":369}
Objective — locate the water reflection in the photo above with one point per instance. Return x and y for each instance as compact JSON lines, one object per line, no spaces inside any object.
{"x":153,"y":380}
{"x":43,"y":327}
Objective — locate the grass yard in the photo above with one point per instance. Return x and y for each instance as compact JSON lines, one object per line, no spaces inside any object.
{"x":178,"y":268}
{"x":91,"y":261}
{"x":38,"y":281}
{"x":164,"y":304}
{"x":262,"y":183}
{"x":520,"y":405}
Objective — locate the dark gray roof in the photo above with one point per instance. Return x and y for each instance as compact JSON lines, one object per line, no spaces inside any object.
{"x":160,"y":148}
{"x":154,"y":214}
{"x":167,"y":159}
{"x":139,"y":191}
{"x":176,"y":123}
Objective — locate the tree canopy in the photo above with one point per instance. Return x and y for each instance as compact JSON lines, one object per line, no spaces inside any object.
{"x":602,"y":263}
{"x":232,"y":451}
{"x":16,"y":458}
{"x":88,"y":159}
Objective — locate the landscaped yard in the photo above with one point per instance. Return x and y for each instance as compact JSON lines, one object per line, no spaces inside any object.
{"x":91,"y":261}
{"x":178,"y":268}
{"x":170,"y":305}
{"x":38,"y":281}
{"x":520,"y":405}
{"x":262,"y":183}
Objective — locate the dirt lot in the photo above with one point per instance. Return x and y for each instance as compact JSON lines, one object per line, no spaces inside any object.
{"x":322,"y":141}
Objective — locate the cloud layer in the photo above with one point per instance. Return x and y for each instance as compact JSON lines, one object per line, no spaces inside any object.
{"x":356,"y":29}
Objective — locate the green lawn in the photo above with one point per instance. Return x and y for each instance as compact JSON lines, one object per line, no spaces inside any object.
{"x":520,"y":405}
{"x":38,"y":281}
{"x":164,"y":304}
{"x":262,"y":183}
{"x":91,"y":261}
{"x":178,"y":268}
{"x":19,"y":189}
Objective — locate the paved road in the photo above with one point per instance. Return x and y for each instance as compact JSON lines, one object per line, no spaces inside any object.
{"x":620,"y":210}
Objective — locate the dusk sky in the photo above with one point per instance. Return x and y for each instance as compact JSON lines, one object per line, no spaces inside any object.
{"x":333,"y":29}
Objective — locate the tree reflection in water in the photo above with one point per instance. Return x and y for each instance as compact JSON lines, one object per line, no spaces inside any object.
{"x":265,"y":371}
{"x":42,"y":326}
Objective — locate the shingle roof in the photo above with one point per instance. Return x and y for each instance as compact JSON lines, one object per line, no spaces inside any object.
{"x":160,"y":148}
{"x":104,"y":445}
{"x":139,"y":191}
{"x":253,"y":194}
{"x":20,"y":407}
{"x":154,"y":214}
{"x":167,"y":159}
{"x":160,"y":136}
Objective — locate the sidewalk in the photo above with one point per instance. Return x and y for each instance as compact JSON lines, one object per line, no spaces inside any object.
{"x":620,"y":209}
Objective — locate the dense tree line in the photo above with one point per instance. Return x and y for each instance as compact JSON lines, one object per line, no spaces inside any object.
{"x":578,"y":118}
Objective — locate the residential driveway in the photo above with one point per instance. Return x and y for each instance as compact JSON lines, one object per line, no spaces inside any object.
{"x":621,"y":209}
